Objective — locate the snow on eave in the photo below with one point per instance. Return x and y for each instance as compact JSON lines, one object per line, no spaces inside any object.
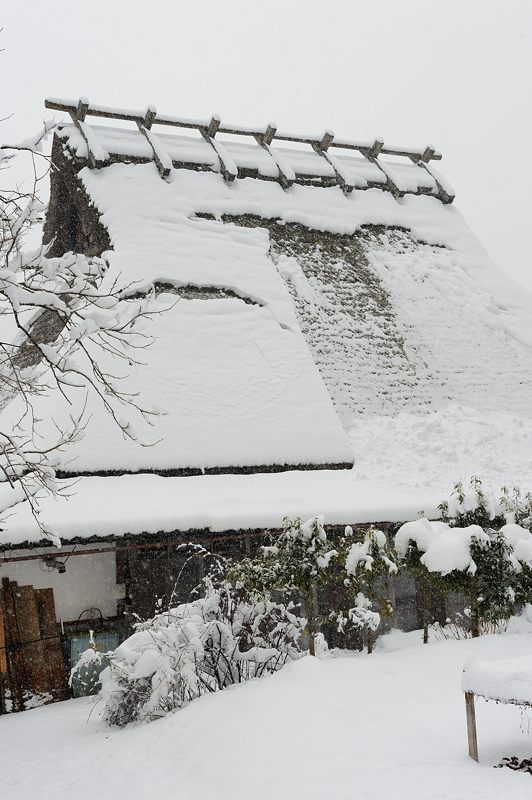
{"x":135,"y":505}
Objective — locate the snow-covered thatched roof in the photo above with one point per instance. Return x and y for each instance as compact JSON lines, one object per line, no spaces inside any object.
{"x":305,"y":326}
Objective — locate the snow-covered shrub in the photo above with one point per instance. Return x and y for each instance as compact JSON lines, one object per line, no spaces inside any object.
{"x":473,"y":505}
{"x":225,"y":637}
{"x":299,"y":559}
{"x":85,"y":673}
{"x":367,"y":563}
{"x":491,"y":567}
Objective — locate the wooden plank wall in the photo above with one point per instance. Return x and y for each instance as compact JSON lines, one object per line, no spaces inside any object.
{"x":31,"y":653}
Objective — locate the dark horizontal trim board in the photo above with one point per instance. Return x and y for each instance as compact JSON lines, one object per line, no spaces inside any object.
{"x":162,"y":539}
{"x":189,"y":472}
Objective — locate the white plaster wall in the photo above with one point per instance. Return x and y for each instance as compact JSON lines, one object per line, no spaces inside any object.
{"x":89,"y":580}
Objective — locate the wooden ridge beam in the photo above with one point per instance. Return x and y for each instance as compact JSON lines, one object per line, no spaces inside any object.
{"x":97,"y":157}
{"x":71,"y":107}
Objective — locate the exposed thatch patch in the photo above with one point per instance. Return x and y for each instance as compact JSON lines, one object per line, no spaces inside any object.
{"x":352,"y":320}
{"x":73,"y":222}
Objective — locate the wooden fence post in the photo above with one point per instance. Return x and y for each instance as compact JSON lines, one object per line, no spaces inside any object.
{"x":471,"y":725}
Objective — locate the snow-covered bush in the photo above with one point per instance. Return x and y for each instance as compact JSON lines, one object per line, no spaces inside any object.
{"x":368,"y":564}
{"x":491,"y":567}
{"x":226,"y":637}
{"x":299,"y":559}
{"x":473,"y":505}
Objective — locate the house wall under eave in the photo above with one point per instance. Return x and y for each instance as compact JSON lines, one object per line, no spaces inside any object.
{"x":88,"y":582}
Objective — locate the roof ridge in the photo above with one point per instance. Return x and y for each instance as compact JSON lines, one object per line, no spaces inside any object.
{"x":209,"y":128}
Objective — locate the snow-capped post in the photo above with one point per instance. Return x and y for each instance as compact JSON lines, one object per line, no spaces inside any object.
{"x":506,"y":681}
{"x":64,"y":312}
{"x":300,"y":559}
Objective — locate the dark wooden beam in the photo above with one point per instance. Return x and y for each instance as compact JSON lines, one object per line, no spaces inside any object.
{"x":181,"y":122}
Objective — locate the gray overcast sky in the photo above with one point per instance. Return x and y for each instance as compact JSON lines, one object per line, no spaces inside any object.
{"x":456,"y":74}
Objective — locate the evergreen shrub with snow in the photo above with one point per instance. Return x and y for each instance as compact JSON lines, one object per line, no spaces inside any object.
{"x":225,"y":637}
{"x":478,"y":551}
{"x":300,"y":559}
{"x":368,"y":560}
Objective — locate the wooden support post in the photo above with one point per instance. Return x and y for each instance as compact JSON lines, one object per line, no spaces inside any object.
{"x":83,"y":107}
{"x":326,"y":141}
{"x":228,"y":167}
{"x":287,"y":175}
{"x":269,"y":133}
{"x":214,"y":124}
{"x":372,"y":153}
{"x":376,"y":148}
{"x":321,"y":149}
{"x":471,"y":725}
{"x":428,"y":154}
{"x":445,"y":193}
{"x":163,"y":162}
{"x":149,"y":117}
{"x":96,"y":155}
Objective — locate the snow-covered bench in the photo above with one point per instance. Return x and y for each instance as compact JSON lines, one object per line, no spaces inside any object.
{"x":508,"y":681}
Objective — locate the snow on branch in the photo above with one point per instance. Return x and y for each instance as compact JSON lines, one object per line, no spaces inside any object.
{"x":64,"y":313}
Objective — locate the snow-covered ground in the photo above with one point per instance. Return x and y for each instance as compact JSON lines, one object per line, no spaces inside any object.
{"x":354,"y":726}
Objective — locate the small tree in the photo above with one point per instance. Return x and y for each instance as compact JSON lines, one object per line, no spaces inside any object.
{"x":497,"y":579}
{"x":368,"y":565}
{"x":490,"y":567}
{"x":300,"y":559}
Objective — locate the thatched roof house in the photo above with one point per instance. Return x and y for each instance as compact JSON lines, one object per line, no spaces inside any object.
{"x":323,"y":303}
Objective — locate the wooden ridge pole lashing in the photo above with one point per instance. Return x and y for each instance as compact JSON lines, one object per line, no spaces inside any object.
{"x":208,"y":129}
{"x":321,"y":148}
{"x":163,"y":162}
{"x":97,"y":157}
{"x":287,"y":175}
{"x":228,"y":167}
